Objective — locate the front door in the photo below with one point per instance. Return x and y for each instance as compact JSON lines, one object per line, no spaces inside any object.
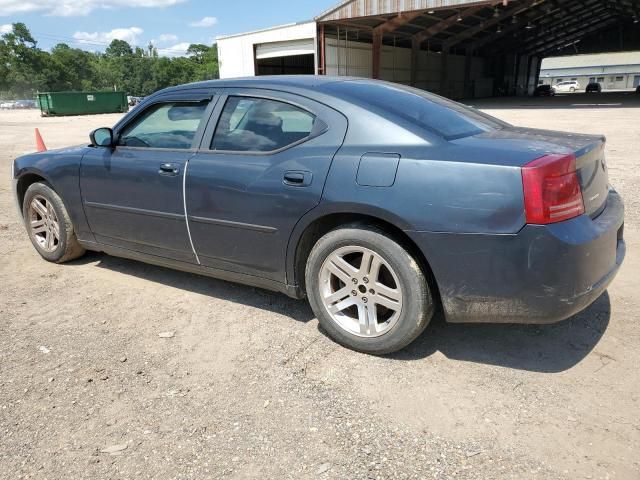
{"x":133,"y":193}
{"x":261,"y":171}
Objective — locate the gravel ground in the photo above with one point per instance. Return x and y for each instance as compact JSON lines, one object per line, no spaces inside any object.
{"x":242,"y":383}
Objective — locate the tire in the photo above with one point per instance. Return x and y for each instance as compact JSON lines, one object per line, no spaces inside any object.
{"x":51,"y":217}
{"x":407,"y":308}
{"x":572,"y":90}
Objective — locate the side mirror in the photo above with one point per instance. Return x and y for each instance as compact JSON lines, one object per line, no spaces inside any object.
{"x":102,"y":137}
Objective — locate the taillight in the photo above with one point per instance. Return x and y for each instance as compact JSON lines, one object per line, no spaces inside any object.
{"x":552,"y":190}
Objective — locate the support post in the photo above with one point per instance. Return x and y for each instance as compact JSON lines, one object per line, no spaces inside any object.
{"x":444,"y":73}
{"x":530,"y":82}
{"x":538,"y":69}
{"x":376,"y":55}
{"x":323,"y":59}
{"x":415,"y":60}
{"x":467,"y":73}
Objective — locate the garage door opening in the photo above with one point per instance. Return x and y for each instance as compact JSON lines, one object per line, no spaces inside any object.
{"x":293,"y":57}
{"x":289,"y":65}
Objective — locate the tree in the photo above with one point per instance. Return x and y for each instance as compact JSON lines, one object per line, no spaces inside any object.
{"x":207,"y":60}
{"x":198,"y":51}
{"x":22,"y":61}
{"x":25,"y":68}
{"x":118,"y":48}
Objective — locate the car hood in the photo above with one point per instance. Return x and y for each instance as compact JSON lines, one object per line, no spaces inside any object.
{"x":73,"y":150}
{"x":42,"y":161}
{"x":68,"y":151}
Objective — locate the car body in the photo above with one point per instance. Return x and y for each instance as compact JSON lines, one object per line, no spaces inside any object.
{"x":257,"y":180}
{"x":25,"y":104}
{"x":7,"y":105}
{"x":544,"y":91}
{"x":567,"y":87}
{"x":594,"y":87}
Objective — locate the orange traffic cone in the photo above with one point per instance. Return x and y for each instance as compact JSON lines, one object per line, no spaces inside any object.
{"x":39,"y":142}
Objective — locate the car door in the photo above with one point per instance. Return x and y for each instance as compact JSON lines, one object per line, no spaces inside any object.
{"x":133,"y":193}
{"x":262,"y":165}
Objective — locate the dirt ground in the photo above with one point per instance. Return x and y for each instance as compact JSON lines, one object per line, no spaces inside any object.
{"x":249,"y":387}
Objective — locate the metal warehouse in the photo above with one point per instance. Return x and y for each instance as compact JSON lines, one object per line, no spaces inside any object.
{"x":457,"y":48}
{"x":614,"y":71}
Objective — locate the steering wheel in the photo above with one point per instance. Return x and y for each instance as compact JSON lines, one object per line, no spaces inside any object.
{"x":135,"y":142}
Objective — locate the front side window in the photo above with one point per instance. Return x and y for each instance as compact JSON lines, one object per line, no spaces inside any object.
{"x":165,"y":125}
{"x":260,"y":125}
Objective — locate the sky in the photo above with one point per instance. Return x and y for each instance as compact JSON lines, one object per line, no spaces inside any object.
{"x":171,"y":25}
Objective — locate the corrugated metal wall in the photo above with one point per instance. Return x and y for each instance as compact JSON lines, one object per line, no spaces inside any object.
{"x":355,"y":59}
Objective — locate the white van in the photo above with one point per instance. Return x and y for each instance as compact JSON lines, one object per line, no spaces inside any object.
{"x":564,"y":87}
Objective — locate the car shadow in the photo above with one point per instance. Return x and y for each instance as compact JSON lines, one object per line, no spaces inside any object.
{"x":200,"y":284}
{"x":538,"y":348}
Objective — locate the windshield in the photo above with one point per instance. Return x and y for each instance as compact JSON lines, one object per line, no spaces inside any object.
{"x":446,"y":118}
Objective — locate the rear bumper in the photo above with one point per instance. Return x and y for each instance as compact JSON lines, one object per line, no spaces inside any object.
{"x":543,"y":274}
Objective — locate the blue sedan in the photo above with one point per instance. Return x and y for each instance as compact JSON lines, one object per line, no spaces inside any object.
{"x":377,"y":202}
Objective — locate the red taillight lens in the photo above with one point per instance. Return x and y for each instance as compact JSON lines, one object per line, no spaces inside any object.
{"x":552,"y":190}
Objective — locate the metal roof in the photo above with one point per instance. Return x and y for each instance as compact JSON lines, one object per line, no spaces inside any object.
{"x":268,"y":29}
{"x":367,"y":8}
{"x":492,"y":27}
{"x":594,"y":60}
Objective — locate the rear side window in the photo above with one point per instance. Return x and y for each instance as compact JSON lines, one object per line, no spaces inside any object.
{"x":443,"y":117}
{"x":261,"y":125}
{"x":165,"y":125}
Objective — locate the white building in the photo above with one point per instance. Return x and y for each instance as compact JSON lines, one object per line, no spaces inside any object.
{"x":277,"y":50}
{"x":612,"y":70}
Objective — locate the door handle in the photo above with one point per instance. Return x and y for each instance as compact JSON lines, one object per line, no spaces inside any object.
{"x":169,"y":169}
{"x":297,"y":179}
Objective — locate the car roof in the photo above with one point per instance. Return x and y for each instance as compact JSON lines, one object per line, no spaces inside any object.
{"x":311,"y":86}
{"x":266,"y":81}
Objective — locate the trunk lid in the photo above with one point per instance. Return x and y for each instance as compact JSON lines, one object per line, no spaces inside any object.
{"x":588,"y":150}
{"x":590,"y":163}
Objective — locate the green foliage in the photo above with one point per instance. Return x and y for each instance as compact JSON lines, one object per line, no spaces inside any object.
{"x":26,"y":69}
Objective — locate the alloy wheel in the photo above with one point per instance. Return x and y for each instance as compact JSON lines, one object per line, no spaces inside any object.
{"x":44,"y":224}
{"x":360,"y":291}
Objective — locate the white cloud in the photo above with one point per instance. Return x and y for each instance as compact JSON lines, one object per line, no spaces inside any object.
{"x":177,"y":50}
{"x":129,"y":35}
{"x":72,"y":8}
{"x":165,"y":38}
{"x":205,"y":22}
{"x":6,"y":28}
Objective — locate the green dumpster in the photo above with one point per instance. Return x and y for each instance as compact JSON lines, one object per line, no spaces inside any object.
{"x":81,"y":103}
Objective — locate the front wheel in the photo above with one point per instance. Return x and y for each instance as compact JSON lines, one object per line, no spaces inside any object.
{"x":368,"y":292}
{"x":48,"y":224}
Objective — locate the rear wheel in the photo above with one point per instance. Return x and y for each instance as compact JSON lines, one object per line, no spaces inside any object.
{"x":48,"y":224}
{"x":367,"y":291}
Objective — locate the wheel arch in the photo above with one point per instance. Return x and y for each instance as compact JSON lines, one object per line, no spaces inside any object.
{"x":24,"y":181}
{"x":312,"y":228}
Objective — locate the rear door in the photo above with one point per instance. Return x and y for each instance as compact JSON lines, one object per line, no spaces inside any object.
{"x":133,"y":194}
{"x":262,"y":165}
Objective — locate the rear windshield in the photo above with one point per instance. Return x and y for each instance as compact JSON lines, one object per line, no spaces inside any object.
{"x":446,"y":118}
